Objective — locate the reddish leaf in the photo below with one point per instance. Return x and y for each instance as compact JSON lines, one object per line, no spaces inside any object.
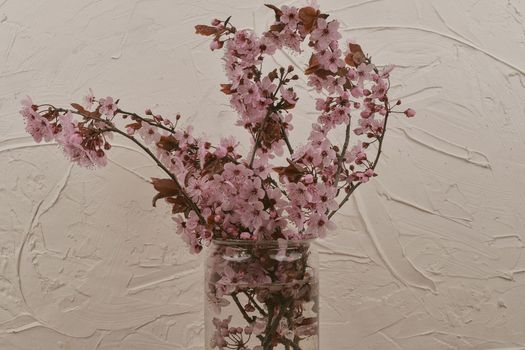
{"x":308,"y":15}
{"x":213,"y":165}
{"x":356,"y":55}
{"x":271,"y":133}
{"x":51,"y":114}
{"x":78,"y":107}
{"x":168,"y":143}
{"x":92,"y":115}
{"x":205,"y":30}
{"x":323,"y":73}
{"x":277,"y":27}
{"x":179,"y":205}
{"x":313,"y":65}
{"x":293,"y":171}
{"x":165,"y":187}
{"x":134,"y":126}
{"x":227,"y":89}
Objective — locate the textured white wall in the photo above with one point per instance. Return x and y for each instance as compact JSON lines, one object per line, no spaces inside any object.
{"x":429,"y":256}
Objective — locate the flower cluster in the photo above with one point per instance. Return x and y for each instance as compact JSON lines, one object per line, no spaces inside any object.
{"x":214,"y":191}
{"x":84,"y":142}
{"x":276,"y":192}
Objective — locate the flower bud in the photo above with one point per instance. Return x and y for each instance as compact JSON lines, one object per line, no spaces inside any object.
{"x":410,"y":113}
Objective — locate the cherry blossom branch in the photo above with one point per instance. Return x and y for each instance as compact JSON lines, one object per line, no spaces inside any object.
{"x":254,"y":303}
{"x":146,"y":120}
{"x":113,"y":128}
{"x":272,"y":327}
{"x":247,"y":317}
{"x":258,"y":139}
{"x":342,"y":154}
{"x":170,"y":174}
{"x":286,"y":140}
{"x":353,"y":187}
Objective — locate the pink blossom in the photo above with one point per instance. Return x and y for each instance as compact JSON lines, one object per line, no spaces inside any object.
{"x":315,"y":82}
{"x":325,"y":33}
{"x":410,"y":113}
{"x":89,"y":99}
{"x":28,"y":107}
{"x":216,"y":303}
{"x":289,"y":95}
{"x":254,"y":216}
{"x":325,"y":198}
{"x":357,"y":92}
{"x":319,"y":224}
{"x":362,"y":176}
{"x":291,"y":39}
{"x":228,"y":282}
{"x":71,"y":142}
{"x":252,"y":191}
{"x":107,"y":106}
{"x":380,"y":89}
{"x":356,"y":154}
{"x":290,"y":16}
{"x":332,"y":60}
{"x":261,"y":167}
{"x":149,"y":134}
{"x":334,"y":84}
{"x":297,"y":216}
{"x":266,"y":87}
{"x":215,"y":44}
{"x":39,"y":127}
{"x":298,"y":193}
{"x":249,"y":92}
{"x":227,"y":146}
{"x":245,"y":235}
{"x":236,"y":172}
{"x":363,"y":73}
{"x":197,"y":187}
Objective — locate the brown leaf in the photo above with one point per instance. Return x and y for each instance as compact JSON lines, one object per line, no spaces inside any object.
{"x":92,"y":115}
{"x":313,"y":65}
{"x":278,"y":12}
{"x":356,"y":55}
{"x":277,"y":27}
{"x":165,"y":187}
{"x":227,"y":89}
{"x":308,"y":15}
{"x":323,"y":73}
{"x":51,"y":114}
{"x":179,"y":205}
{"x":134,"y":126}
{"x":287,"y":105}
{"x":78,"y":107}
{"x":168,"y":143}
{"x":205,"y":30}
{"x":271,"y":133}
{"x":293,"y":172}
{"x":213,"y":165}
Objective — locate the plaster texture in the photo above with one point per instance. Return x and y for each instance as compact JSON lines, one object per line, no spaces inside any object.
{"x":430,"y":255}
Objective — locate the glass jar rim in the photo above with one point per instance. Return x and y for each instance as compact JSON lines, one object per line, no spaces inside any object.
{"x":266,"y":242}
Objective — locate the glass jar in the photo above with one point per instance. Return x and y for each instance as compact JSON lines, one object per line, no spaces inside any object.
{"x":262,"y":295}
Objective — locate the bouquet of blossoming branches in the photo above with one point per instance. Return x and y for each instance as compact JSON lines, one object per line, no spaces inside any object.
{"x":215,"y":192}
